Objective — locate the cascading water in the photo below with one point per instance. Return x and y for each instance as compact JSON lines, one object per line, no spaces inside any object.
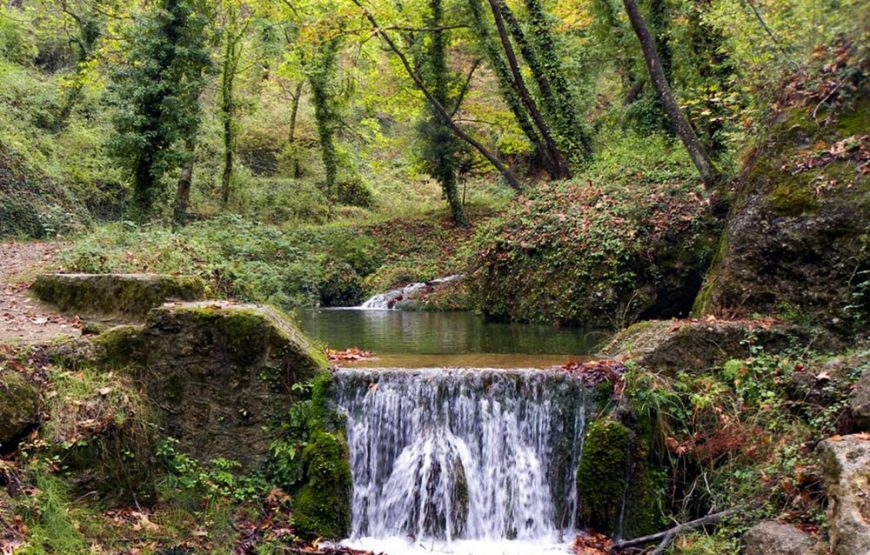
{"x":444,"y":455}
{"x":406,"y":294}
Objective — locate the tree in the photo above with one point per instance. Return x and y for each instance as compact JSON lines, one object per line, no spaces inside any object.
{"x":89,"y":21}
{"x":560,"y":168}
{"x":506,"y":173}
{"x":441,"y":146}
{"x":660,"y":81}
{"x":158,"y":91}
{"x":322,"y":73}
{"x":235,"y":27}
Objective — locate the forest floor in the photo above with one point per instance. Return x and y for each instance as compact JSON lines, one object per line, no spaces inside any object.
{"x":23,"y":319}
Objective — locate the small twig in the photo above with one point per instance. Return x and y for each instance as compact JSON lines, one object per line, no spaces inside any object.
{"x":667,"y":536}
{"x":827,"y":97}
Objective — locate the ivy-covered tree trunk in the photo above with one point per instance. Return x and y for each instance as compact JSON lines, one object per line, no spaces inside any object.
{"x":684,"y":129}
{"x":549,"y":72}
{"x":497,"y":63}
{"x":441,"y":145}
{"x":320,"y":77}
{"x":505,"y":172}
{"x":233,"y":34}
{"x":90,"y":30}
{"x":294,"y":112}
{"x":561,"y":168}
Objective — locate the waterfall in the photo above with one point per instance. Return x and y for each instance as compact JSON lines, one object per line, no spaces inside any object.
{"x":439,"y":454}
{"x":406,"y":294}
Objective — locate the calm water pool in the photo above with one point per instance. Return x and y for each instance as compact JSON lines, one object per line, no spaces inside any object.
{"x":422,"y":339}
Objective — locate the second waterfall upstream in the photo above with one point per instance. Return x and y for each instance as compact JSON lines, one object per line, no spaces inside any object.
{"x":441,"y":455}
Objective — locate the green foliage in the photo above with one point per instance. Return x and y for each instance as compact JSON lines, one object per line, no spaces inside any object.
{"x":16,"y":42}
{"x":218,"y":479}
{"x":594,"y":251}
{"x":158,"y":95}
{"x":742,"y":431}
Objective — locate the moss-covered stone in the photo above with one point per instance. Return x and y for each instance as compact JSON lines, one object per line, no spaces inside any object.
{"x":602,"y":473}
{"x":220,"y":374}
{"x":130,"y":295}
{"x":696,"y":345}
{"x":799,"y":229}
{"x":616,"y":485}
{"x":321,"y":507}
{"x":19,"y":408}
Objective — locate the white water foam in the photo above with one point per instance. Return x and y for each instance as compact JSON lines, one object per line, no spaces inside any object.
{"x":462,"y":461}
{"x":388,"y":300}
{"x":402,"y":546}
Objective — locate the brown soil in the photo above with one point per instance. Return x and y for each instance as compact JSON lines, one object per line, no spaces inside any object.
{"x":23,"y":319}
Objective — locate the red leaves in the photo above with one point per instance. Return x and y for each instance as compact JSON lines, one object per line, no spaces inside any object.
{"x":352,"y":354}
{"x":596,"y":372}
{"x":855,"y":148}
{"x":591,"y":543}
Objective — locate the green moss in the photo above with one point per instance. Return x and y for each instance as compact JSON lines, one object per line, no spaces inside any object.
{"x":19,"y":407}
{"x":704,"y":300}
{"x":601,"y":475}
{"x":121,"y":345}
{"x":857,"y":121}
{"x":613,"y":471}
{"x":791,"y":197}
{"x":321,"y":507}
{"x":113,"y":294}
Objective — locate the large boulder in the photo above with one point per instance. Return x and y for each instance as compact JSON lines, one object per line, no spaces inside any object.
{"x":675,"y":345}
{"x":846,"y":473}
{"x":796,"y":241}
{"x":220,"y":374}
{"x":127,"y":295}
{"x":775,"y":538}
{"x":19,"y":408}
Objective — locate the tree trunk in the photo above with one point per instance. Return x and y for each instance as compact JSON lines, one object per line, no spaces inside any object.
{"x":551,"y":69}
{"x":294,"y":111}
{"x":508,"y":175}
{"x":228,"y":110}
{"x":562,"y":168}
{"x":507,"y":86}
{"x":182,"y":193}
{"x":444,"y":142}
{"x":657,"y":75}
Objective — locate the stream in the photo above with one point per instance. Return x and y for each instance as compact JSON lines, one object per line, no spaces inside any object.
{"x":463,"y":440}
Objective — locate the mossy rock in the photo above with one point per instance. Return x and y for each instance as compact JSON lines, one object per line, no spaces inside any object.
{"x":799,"y":230}
{"x":602,"y":473}
{"x":616,"y":486}
{"x":321,"y":507}
{"x":696,"y":345}
{"x":19,"y":408}
{"x":220,"y":374}
{"x":129,"y":295}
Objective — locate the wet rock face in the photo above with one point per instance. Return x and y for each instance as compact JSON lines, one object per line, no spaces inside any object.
{"x":128,"y":295}
{"x":220,"y":374}
{"x":675,"y":345}
{"x":846,"y":472}
{"x":796,"y":242}
{"x":19,"y":408}
{"x":775,"y":538}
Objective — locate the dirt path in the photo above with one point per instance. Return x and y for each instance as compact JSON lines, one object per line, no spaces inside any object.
{"x":23,"y":319}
